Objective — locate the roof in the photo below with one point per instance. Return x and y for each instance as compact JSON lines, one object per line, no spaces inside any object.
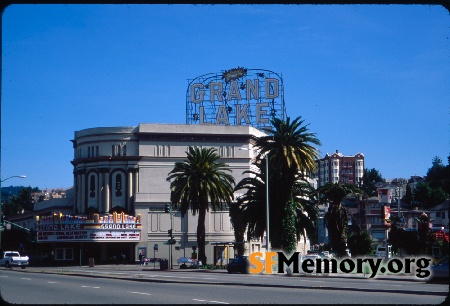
{"x":442,"y":206}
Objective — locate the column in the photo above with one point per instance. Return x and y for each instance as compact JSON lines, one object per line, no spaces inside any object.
{"x":107,"y":200}
{"x":101,"y":188}
{"x":136,"y":181}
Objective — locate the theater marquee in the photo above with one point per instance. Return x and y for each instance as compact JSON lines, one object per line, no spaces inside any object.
{"x":111,"y":228}
{"x":238,"y":96}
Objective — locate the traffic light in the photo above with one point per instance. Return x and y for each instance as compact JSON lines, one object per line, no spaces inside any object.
{"x":167,"y":208}
{"x":169,"y":233}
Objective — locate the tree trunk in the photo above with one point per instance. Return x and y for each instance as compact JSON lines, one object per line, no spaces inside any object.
{"x":337,"y":221}
{"x":201,"y":236}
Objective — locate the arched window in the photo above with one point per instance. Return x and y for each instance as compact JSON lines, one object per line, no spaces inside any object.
{"x":92,"y":187}
{"x":118,"y":185}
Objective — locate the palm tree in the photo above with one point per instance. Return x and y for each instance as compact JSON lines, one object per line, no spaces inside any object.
{"x":291,"y":151}
{"x":336,"y":216}
{"x":196,"y":183}
{"x":239,"y":227}
{"x":306,"y":209}
{"x":252,"y":204}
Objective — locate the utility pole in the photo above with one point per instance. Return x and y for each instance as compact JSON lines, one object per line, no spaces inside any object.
{"x":168,"y":209}
{"x":171,"y":236}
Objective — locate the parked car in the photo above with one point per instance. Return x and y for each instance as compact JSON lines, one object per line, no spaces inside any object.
{"x":183,"y":261}
{"x":314,"y":257}
{"x":439,"y":271}
{"x":240,"y":264}
{"x":325,"y":254}
{"x":13,"y":259}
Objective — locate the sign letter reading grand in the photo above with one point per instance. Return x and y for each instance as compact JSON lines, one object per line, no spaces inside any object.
{"x":238,"y":96}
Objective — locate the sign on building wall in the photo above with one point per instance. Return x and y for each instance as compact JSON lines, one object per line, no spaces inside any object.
{"x":67,"y":228}
{"x":238,"y":96}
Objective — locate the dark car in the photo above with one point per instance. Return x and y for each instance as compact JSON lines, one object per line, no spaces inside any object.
{"x":240,"y":264}
{"x":439,"y":271}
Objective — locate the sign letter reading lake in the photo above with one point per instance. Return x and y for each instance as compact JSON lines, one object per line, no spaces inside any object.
{"x":238,"y":96}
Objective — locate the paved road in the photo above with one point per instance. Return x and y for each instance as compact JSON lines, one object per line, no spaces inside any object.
{"x":201,"y":288}
{"x":393,"y":283}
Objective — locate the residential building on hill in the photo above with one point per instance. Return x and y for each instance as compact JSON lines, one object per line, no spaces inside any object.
{"x":337,"y":168}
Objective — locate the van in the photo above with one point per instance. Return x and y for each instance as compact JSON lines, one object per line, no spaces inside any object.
{"x":381,"y":251}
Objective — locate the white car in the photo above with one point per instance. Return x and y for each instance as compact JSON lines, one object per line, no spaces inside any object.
{"x":13,"y":259}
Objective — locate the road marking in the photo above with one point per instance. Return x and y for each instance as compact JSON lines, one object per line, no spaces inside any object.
{"x":217,"y":302}
{"x":52,"y":282}
{"x":90,"y":287}
{"x":144,"y":293}
{"x":26,"y":278}
{"x":317,"y":281}
{"x":209,"y":277}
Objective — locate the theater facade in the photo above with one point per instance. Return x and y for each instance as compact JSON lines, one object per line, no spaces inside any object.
{"x":121,"y":193}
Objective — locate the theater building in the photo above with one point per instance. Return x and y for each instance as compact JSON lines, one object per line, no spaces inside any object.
{"x":121,"y":191}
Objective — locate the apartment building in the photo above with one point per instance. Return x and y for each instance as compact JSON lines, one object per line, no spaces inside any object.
{"x":338,"y":168}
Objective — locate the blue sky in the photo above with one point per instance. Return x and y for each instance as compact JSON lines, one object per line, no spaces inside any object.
{"x":367,"y":78}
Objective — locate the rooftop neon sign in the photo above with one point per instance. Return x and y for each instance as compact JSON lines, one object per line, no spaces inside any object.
{"x":238,"y":96}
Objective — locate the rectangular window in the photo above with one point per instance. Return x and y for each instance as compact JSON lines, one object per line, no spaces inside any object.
{"x":63,"y":254}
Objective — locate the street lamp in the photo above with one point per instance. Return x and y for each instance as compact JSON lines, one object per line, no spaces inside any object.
{"x":267,"y":197}
{"x":267,"y":200}
{"x":19,"y":176}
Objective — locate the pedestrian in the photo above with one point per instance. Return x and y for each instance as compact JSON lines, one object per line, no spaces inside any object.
{"x":123,"y":257}
{"x":141,"y":257}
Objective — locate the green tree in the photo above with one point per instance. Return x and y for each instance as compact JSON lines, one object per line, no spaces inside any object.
{"x":408,"y":197}
{"x":426,"y":197}
{"x":239,"y":226}
{"x":252,"y":203}
{"x":302,"y":207}
{"x":291,"y":151}
{"x":360,"y":243}
{"x":336,"y":216}
{"x":303,"y":195}
{"x":20,"y":203}
{"x":409,"y":241}
{"x":369,"y":179}
{"x":439,"y":176}
{"x":196,"y":183}
{"x":288,"y":225}
{"x":395,"y":233}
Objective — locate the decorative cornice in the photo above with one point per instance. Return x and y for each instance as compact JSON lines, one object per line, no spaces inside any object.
{"x":195,"y":138}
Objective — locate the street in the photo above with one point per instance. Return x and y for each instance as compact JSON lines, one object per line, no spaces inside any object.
{"x":140,"y":286}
